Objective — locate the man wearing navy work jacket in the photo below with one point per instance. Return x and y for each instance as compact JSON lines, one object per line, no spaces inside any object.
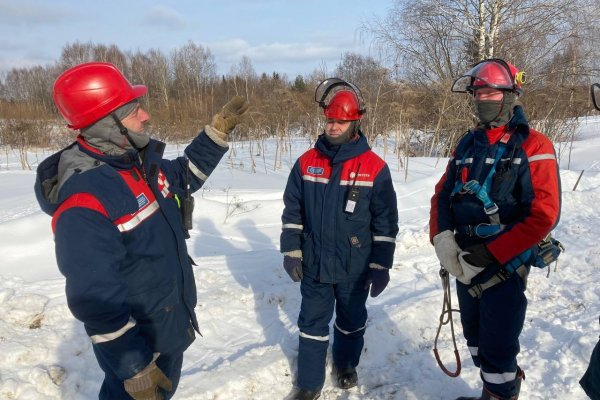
{"x":118,"y":211}
{"x":499,"y":197}
{"x":339,"y":227}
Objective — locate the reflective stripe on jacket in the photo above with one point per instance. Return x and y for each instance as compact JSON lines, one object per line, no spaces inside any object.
{"x":338,"y":245}
{"x":526,"y":188}
{"x":121,"y":246}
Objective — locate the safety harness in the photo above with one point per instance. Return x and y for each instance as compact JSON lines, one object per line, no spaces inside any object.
{"x":482,"y":192}
{"x":543,"y":254}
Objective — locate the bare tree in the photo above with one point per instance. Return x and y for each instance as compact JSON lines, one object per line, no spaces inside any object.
{"x":434,"y":39}
{"x":244,"y":71}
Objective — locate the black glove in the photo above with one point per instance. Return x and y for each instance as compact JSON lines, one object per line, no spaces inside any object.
{"x":293,"y":266}
{"x":378,"y":279}
{"x":479,"y":256}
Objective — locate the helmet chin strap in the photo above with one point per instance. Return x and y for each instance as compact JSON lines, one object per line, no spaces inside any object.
{"x":124,"y":131}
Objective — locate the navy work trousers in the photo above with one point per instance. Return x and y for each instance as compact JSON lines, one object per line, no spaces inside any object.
{"x":492,"y":325}
{"x":318,"y":303}
{"x":591,"y":380}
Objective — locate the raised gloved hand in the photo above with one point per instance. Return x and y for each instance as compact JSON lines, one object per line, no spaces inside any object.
{"x":146,"y":384}
{"x":293,"y":265}
{"x":378,"y":279}
{"x":474,"y":260}
{"x":230,"y":115}
{"x":447,"y":252}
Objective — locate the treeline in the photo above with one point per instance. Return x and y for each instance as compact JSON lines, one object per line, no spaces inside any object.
{"x":407,"y":90}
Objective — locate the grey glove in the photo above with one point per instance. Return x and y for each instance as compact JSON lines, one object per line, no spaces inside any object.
{"x":230,"y":115}
{"x":146,"y":384}
{"x":293,"y":266}
{"x":447,"y":252}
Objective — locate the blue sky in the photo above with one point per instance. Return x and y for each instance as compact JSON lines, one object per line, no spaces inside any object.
{"x":287,"y":36}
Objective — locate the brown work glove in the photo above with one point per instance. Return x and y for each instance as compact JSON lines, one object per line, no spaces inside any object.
{"x":146,"y":384}
{"x":230,"y":115}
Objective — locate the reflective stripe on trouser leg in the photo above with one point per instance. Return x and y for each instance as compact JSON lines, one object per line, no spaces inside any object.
{"x":350,"y":323}
{"x":493,"y":324}
{"x":315,"y":313}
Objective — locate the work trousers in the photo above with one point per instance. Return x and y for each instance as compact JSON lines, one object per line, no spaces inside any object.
{"x":318,"y":303}
{"x":492,"y":325}
{"x":591,"y":380}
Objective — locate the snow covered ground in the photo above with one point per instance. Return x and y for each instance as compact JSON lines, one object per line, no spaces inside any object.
{"x":248,"y":306}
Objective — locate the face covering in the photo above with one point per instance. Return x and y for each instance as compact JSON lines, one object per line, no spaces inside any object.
{"x":106,"y":136}
{"x":492,"y":114}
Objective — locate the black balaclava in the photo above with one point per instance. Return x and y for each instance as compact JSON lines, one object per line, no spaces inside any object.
{"x":492,"y":114}
{"x":345,"y":137}
{"x":106,"y":136}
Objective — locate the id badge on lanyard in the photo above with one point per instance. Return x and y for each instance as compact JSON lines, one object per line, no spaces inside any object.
{"x":353,"y":194}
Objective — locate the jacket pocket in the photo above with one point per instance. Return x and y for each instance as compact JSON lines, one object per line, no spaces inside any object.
{"x":163,"y":320}
{"x":147,"y":303}
{"x":308,"y":252}
{"x":504,"y":181}
{"x":359,"y":253}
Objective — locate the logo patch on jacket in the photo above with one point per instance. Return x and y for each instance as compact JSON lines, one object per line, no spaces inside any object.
{"x":354,"y":175}
{"x":142,"y":201}
{"x":316,"y":170}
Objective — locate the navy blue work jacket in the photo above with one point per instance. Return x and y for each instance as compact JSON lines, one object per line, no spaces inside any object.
{"x":338,"y":245}
{"x":120,"y":243}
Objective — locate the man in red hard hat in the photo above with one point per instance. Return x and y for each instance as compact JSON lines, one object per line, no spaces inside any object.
{"x":499,"y":197}
{"x":120,"y":217}
{"x":339,"y":229}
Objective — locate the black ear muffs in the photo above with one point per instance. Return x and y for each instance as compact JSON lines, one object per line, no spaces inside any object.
{"x":595,"y":93}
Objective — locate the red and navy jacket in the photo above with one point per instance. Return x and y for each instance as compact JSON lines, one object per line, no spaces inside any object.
{"x":120,"y":243}
{"x":338,"y":245}
{"x":526,"y":188}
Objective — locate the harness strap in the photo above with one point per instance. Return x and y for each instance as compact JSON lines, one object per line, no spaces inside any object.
{"x":482,"y":191}
{"x":480,"y":230}
{"x":500,"y":276}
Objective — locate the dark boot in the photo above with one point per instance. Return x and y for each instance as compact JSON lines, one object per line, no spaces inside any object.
{"x":347,"y":378}
{"x":520,"y":378}
{"x":305,"y":394}
{"x":487,"y":395}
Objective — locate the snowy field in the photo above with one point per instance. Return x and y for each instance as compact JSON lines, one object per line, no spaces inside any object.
{"x":248,"y":306}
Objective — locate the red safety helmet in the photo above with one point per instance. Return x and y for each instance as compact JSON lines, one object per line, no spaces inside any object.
{"x":89,"y":92}
{"x":343,"y":106}
{"x":493,"y":73}
{"x":345,"y":100}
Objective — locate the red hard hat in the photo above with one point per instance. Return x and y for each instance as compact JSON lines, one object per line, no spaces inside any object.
{"x":493,"y":73}
{"x":344,"y":106}
{"x":88,"y":92}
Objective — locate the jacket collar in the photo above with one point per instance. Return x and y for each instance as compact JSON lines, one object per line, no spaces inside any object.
{"x":518,"y":125}
{"x":343,"y":152}
{"x":123,"y":161}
